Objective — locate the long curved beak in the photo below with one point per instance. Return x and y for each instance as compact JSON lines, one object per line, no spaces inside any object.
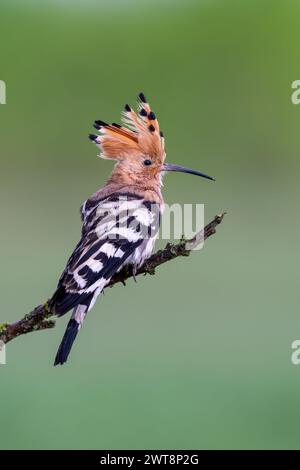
{"x":182,"y":169}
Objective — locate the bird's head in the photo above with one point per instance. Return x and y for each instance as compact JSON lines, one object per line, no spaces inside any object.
{"x":138,"y":146}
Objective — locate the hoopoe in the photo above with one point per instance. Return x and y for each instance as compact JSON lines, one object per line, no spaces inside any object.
{"x":120,"y":220}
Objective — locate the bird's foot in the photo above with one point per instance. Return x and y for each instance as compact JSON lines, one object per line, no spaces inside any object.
{"x":134,"y":270}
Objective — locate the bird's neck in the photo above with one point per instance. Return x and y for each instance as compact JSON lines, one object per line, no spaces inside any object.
{"x":150,"y":188}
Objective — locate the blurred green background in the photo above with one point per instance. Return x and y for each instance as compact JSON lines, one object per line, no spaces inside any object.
{"x":197,"y":356}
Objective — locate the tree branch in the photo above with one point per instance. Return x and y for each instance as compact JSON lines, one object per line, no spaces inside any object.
{"x":40,"y":317}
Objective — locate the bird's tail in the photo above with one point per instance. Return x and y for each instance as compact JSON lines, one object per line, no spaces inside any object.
{"x":69,"y":337}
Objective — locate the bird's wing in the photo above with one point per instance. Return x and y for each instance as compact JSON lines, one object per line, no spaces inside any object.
{"x":112,"y":230}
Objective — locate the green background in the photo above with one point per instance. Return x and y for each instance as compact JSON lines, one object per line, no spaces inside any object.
{"x":198,"y":356}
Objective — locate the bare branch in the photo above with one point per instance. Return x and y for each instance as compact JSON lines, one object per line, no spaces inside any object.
{"x":40,"y":317}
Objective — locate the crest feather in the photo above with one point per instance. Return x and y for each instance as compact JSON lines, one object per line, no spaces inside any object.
{"x":139,"y":135}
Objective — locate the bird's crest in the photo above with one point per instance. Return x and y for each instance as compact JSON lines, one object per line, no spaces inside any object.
{"x":140,"y":134}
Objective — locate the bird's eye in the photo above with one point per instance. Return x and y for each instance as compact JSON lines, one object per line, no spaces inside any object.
{"x":147,"y":162}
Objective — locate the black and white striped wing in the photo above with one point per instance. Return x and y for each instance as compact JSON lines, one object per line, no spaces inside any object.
{"x":113,"y":230}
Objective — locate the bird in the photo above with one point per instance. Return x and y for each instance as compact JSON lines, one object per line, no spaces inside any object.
{"x":120,"y":221}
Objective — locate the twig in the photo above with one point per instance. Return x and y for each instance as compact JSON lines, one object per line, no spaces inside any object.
{"x":40,"y":317}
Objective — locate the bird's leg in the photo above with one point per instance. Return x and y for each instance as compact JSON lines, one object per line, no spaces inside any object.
{"x":134,"y":270}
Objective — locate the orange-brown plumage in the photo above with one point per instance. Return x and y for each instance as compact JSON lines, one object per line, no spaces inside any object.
{"x":131,"y":146}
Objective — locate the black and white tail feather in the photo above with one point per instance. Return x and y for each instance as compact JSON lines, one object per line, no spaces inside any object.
{"x":117,"y":230}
